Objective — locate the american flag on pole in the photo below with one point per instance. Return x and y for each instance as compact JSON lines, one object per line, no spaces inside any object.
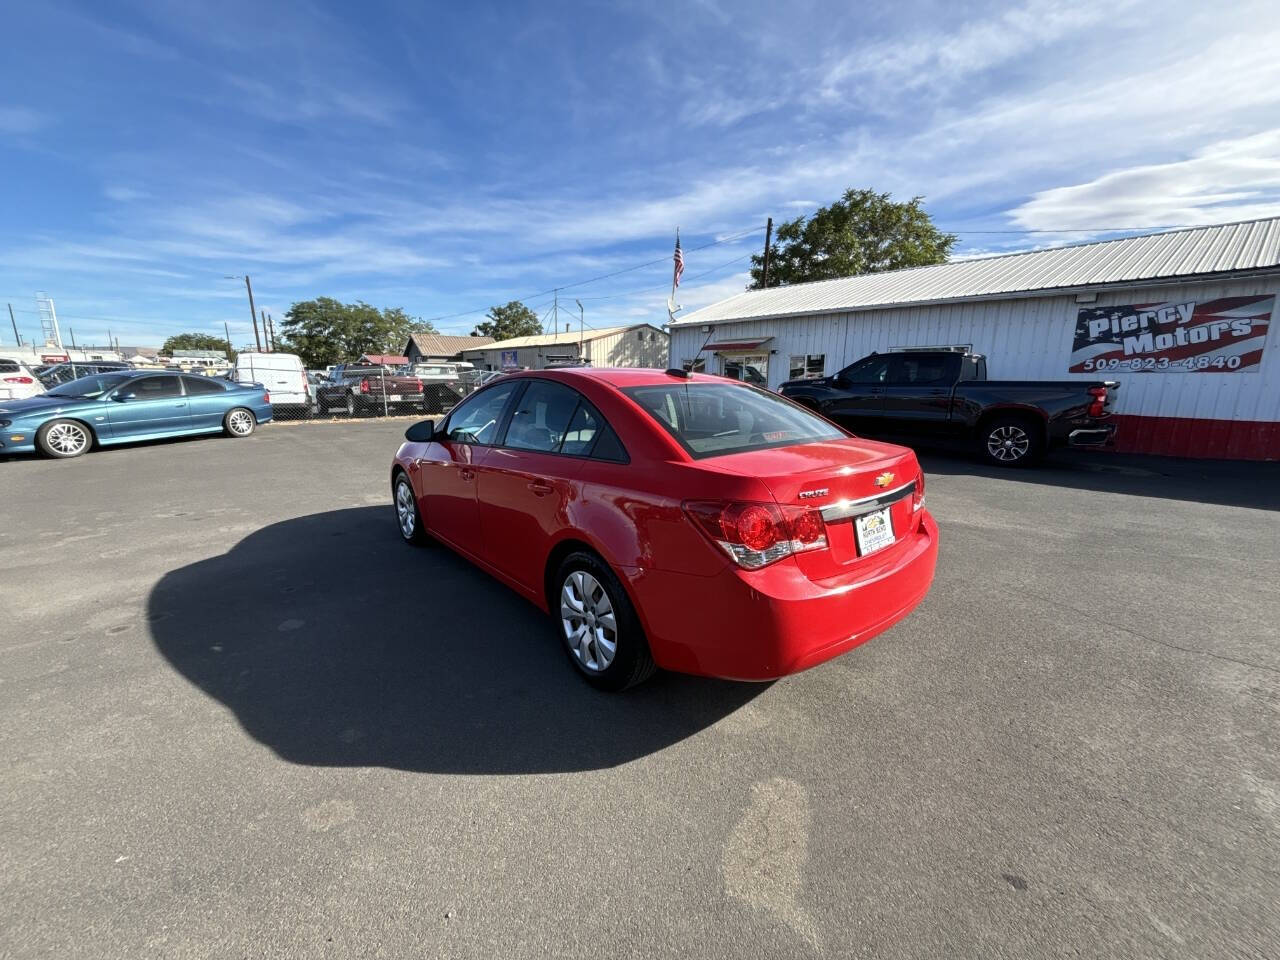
{"x":679,"y":260}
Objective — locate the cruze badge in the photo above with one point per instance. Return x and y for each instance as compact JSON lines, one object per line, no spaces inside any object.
{"x":884,"y":479}
{"x":810,"y":494}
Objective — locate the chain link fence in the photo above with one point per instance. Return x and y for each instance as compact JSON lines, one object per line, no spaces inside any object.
{"x":364,"y":393}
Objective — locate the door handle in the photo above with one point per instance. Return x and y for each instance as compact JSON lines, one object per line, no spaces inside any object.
{"x":466,"y":473}
{"x":540,"y":488}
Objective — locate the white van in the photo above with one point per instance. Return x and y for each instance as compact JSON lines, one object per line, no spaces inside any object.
{"x":282,"y":374}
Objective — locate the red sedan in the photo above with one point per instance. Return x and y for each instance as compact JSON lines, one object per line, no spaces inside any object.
{"x":673,"y":520}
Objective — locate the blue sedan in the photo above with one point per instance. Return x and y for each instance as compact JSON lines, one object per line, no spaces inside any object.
{"x":109,"y":408}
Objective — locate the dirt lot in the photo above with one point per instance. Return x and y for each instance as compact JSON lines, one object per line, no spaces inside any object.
{"x":240,"y":718}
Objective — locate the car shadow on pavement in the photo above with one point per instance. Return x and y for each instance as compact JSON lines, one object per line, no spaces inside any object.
{"x":336,"y":644}
{"x":1234,"y":483}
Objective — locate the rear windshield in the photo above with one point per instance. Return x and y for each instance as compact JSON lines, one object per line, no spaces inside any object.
{"x":711,"y":419}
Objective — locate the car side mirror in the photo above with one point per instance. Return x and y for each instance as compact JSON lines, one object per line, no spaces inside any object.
{"x":125,"y":396}
{"x":421,"y":432}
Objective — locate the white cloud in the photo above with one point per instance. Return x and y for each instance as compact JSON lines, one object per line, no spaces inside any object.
{"x":20,"y":120}
{"x":1236,"y":179}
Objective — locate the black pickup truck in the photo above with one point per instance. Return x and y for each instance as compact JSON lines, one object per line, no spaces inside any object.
{"x":943,"y":396}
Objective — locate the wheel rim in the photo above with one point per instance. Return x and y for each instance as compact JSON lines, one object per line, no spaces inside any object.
{"x":404,"y":509}
{"x":1008,"y":443}
{"x":351,"y":405}
{"x":67,"y":438}
{"x":240,"y":422}
{"x":589,"y":622}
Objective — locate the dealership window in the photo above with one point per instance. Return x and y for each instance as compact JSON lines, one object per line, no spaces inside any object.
{"x":808,"y":367}
{"x":749,"y":368}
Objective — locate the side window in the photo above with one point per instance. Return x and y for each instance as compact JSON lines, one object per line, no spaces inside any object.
{"x":969,"y":369}
{"x":541,"y":418}
{"x":608,"y":446}
{"x":156,"y":388}
{"x":475,"y":420}
{"x":867,"y":370}
{"x":922,"y":369}
{"x":581,"y":433}
{"x":201,"y":385}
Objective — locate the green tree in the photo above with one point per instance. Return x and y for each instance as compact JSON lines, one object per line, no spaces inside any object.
{"x":325,"y":331}
{"x":196,"y":341}
{"x":862,"y":232}
{"x":512,"y":320}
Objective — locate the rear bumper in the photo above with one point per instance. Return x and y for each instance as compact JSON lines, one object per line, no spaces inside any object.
{"x":1103,"y":435}
{"x":776,"y":621}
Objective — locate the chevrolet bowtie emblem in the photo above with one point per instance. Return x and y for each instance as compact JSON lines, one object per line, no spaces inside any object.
{"x":884,"y":479}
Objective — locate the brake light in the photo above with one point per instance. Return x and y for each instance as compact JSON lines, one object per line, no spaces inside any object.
{"x":364,"y":385}
{"x":1099,"y":404}
{"x":755,"y":535}
{"x":18,"y":380}
{"x":917,"y":498}
{"x":266,"y":396}
{"x":417,"y":386}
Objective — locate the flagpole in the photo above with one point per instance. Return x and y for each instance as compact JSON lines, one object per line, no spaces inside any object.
{"x":672,"y":307}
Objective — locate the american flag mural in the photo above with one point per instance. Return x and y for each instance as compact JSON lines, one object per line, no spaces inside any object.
{"x":1212,"y":336}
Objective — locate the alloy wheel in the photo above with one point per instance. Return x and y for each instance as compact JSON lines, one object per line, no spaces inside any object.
{"x":405,"y":509}
{"x":1008,"y":443}
{"x":240,"y":422}
{"x":68,"y":438}
{"x":589,"y":622}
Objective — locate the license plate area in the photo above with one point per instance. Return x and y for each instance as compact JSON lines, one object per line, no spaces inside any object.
{"x":394,"y":396}
{"x":874,"y":531}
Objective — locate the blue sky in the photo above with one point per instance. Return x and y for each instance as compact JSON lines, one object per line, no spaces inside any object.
{"x":444,"y":158}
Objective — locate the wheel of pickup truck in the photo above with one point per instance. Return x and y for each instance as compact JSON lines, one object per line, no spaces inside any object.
{"x":1010,"y":441}
{"x":350,"y":405}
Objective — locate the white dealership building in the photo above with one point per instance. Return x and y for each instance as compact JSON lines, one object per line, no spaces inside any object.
{"x":1182,"y":320}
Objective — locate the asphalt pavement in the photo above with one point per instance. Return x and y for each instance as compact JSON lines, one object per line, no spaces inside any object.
{"x":240,"y":718}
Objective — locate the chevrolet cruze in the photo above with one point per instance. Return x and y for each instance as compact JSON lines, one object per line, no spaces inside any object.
{"x":673,"y":520}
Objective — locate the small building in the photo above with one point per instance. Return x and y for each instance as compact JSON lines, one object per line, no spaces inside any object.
{"x":383,"y":359}
{"x":439,"y":348}
{"x":1181,"y":320}
{"x":637,"y":345}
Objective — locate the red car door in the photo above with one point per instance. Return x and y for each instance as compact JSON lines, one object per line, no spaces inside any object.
{"x":447,"y":470}
{"x":526,"y":485}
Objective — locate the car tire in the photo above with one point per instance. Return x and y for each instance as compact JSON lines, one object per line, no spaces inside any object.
{"x":1010,"y":441}
{"x":587,"y":597}
{"x":64,"y":439}
{"x":239,"y":422}
{"x":322,"y":408}
{"x":408,"y":516}
{"x":351,"y":405}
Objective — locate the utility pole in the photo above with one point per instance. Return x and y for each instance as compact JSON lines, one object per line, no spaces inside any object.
{"x":110,"y":340}
{"x":271,"y":321}
{"x":253,"y":312}
{"x":73,"y":338}
{"x":768,"y":241}
{"x":227,"y":331}
{"x":15,"y":325}
{"x":580,"y":325}
{"x":266,"y":334}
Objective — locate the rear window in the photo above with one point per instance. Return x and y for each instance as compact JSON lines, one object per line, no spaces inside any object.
{"x":711,"y":419}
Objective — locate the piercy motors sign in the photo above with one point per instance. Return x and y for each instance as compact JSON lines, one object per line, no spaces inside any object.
{"x":1211,"y":336}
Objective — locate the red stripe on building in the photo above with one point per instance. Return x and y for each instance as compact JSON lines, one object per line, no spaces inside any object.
{"x":1201,"y":439}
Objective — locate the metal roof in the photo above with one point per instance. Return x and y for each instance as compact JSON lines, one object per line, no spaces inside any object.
{"x":553,"y":339}
{"x":444,"y":345}
{"x":1217,"y":249}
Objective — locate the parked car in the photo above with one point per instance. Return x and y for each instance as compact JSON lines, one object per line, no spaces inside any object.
{"x":18,"y":381}
{"x":59,"y":373}
{"x":369,"y":389}
{"x":445,"y":372}
{"x":282,"y":374}
{"x":121,"y":407}
{"x":944,"y":396}
{"x":673,"y":520}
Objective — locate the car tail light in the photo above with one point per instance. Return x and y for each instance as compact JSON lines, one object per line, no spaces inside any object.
{"x":18,"y":380}
{"x":755,"y":535}
{"x":1099,"y":404}
{"x":266,"y":396}
{"x":364,"y":385}
{"x":417,"y":385}
{"x":917,"y":498}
